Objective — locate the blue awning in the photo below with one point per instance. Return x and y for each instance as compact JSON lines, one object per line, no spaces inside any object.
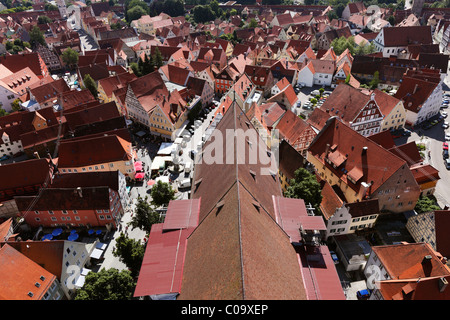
{"x":57,"y":232}
{"x":47,"y":237}
{"x":73,"y":237}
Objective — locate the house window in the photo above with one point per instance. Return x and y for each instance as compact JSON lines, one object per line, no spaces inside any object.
{"x":101,"y":217}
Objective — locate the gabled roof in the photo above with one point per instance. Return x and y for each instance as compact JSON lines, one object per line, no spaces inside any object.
{"x":414,"y":92}
{"x":93,"y":198}
{"x":405,"y":261}
{"x":98,"y":150}
{"x":19,"y":276}
{"x":350,"y":145}
{"x":404,"y":36}
{"x":237,"y":233}
{"x":50,"y":90}
{"x":25,"y":173}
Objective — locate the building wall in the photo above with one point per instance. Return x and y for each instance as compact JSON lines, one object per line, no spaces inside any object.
{"x":422,"y":228}
{"x":392,"y":196}
{"x":125,"y":167}
{"x":431,"y":106}
{"x":395,"y":119}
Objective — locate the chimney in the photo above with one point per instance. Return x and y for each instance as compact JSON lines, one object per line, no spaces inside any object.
{"x":327,"y":150}
{"x":80,"y":192}
{"x":426,"y":259}
{"x":364,"y":150}
{"x":442,"y":284}
{"x":415,"y":88}
{"x":36,"y":154}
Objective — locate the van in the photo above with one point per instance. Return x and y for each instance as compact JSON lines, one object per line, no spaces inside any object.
{"x":185,"y":183}
{"x":188,"y":167}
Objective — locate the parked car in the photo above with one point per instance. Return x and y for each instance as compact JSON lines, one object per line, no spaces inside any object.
{"x":5,"y":157}
{"x":334,"y":257}
{"x":445,"y":125}
{"x":362,"y":295}
{"x":406,"y":133}
{"x":447,"y":163}
{"x":447,"y":137}
{"x":444,"y":114}
{"x":445,"y":146}
{"x":446,"y":101}
{"x":445,"y":154}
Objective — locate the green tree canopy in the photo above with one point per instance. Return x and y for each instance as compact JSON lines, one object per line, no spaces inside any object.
{"x":37,"y":36}
{"x":375,"y":80}
{"x":44,"y":19}
{"x":90,"y":84}
{"x":340,"y":44}
{"x":107,"y":284}
{"x":70,"y":57}
{"x":426,"y":204}
{"x":157,"y":59}
{"x":161,"y":194}
{"x":144,"y":216}
{"x":305,"y":186}
{"x":130,"y":252}
{"x":135,"y":13}
{"x":203,"y":13}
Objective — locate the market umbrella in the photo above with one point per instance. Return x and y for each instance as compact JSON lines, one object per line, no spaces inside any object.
{"x":57,"y":232}
{"x":73,"y":237}
{"x":91,"y":231}
{"x":139,"y":175}
{"x":47,"y":237}
{"x":151,"y":182}
{"x":98,"y":232}
{"x":73,"y":231}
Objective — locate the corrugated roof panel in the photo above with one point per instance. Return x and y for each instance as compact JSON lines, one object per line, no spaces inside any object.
{"x":182,"y":214}
{"x":162,"y":266}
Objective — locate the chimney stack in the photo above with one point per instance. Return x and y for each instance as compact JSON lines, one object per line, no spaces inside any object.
{"x":364,"y":150}
{"x":426,"y":260}
{"x":80,"y":192}
{"x":442,"y":284}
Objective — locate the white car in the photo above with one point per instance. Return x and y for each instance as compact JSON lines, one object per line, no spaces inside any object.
{"x":444,"y":114}
{"x":447,"y":137}
{"x":445,"y":125}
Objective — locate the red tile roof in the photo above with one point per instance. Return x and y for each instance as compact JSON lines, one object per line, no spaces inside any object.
{"x":237,"y":224}
{"x":351,"y":144}
{"x":99,"y":150}
{"x":19,"y":276}
{"x":404,"y":261}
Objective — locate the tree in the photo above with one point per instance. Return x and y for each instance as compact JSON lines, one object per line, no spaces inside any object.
{"x":107,"y":284}
{"x":426,"y":204}
{"x":135,"y":13}
{"x":70,"y":57}
{"x":144,"y":216}
{"x":90,"y":84}
{"x":3,"y":112}
{"x":375,"y":80}
{"x":147,"y":66}
{"x":44,"y":19}
{"x":161,"y":194}
{"x":37,"y":36}
{"x":130,"y":252}
{"x":253,"y":23}
{"x":50,"y":7}
{"x":305,"y":186}
{"x":157,"y":59}
{"x":135,"y":67}
{"x":203,"y":13}
{"x":16,"y":105}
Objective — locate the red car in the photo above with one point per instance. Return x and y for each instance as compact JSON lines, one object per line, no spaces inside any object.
{"x":445,"y":146}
